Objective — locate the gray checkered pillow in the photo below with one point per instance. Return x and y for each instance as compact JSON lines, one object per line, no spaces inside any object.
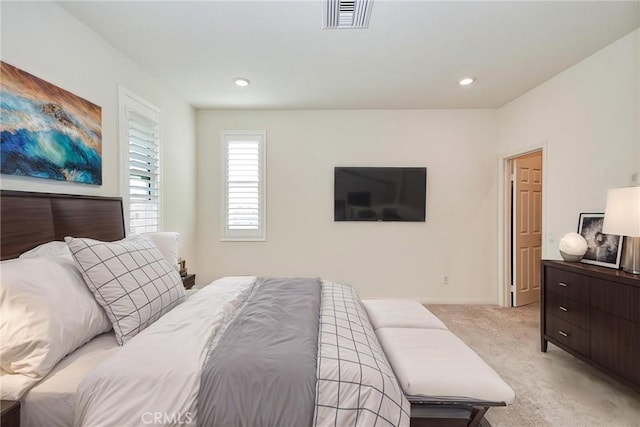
{"x":130,"y":279}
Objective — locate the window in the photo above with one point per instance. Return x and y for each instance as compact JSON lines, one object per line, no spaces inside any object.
{"x":140,"y":142}
{"x":243,"y":168}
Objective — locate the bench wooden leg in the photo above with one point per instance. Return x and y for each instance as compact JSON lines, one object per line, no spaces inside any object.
{"x":477,"y":416}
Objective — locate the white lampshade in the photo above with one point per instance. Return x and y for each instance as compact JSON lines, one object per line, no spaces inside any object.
{"x":622,"y":213}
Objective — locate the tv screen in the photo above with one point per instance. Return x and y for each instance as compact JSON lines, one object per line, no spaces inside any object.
{"x":379,"y":194}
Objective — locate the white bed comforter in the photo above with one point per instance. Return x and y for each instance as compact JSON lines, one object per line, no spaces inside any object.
{"x":155,"y":378}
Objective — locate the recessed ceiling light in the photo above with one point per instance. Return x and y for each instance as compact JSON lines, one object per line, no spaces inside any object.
{"x":466,"y":81}
{"x":242,"y":82}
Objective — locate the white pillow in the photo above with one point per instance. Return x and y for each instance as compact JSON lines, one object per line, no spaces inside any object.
{"x":50,"y":249}
{"x":167,"y":243}
{"x":15,"y":385}
{"x":130,"y":279}
{"x":46,"y":312}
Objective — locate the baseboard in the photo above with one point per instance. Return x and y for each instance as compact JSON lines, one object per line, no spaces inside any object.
{"x":431,"y":300}
{"x":470,"y":301}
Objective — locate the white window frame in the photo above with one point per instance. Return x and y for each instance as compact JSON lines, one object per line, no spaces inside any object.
{"x":230,"y":235}
{"x":129,"y":101}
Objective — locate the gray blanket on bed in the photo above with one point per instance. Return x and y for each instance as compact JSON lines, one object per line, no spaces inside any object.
{"x":267,"y":354}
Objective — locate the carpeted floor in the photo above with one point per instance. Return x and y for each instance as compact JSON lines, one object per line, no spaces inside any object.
{"x":553,"y":388}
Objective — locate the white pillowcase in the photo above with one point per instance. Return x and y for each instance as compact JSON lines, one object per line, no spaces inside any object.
{"x":167,"y":243}
{"x":130,"y":279}
{"x":46,"y":312}
{"x":50,"y":249}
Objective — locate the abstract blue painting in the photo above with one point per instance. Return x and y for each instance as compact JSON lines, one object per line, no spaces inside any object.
{"x":47,"y":132}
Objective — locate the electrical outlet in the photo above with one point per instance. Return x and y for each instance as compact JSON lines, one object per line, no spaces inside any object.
{"x":445,"y":280}
{"x":634,"y":179}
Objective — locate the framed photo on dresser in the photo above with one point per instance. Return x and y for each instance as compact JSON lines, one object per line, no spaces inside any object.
{"x":602,"y":249}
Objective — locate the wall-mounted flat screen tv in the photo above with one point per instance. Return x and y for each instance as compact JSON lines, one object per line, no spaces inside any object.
{"x":380,"y":194}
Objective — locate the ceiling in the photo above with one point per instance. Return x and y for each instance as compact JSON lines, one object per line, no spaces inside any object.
{"x":412,"y":55}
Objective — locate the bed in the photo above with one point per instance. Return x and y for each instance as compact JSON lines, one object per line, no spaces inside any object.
{"x":155,"y":378}
{"x":226,"y":355}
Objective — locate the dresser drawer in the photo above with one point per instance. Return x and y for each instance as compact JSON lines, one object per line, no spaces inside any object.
{"x":572,"y":285}
{"x":616,"y":298}
{"x":568,"y":334}
{"x":568,"y":309}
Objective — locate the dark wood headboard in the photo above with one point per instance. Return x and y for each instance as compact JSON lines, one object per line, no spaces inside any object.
{"x":28,"y":219}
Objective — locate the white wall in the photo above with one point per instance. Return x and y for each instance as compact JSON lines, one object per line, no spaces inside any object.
{"x":589,"y":117}
{"x":43,"y":39}
{"x":379,"y":259}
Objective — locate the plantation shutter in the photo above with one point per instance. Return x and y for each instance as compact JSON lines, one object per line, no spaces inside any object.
{"x":244,"y":216}
{"x":144,"y":173}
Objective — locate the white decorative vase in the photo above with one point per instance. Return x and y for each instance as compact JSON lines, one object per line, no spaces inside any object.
{"x":572,"y":247}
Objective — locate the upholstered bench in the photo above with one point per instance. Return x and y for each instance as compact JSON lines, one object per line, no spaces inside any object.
{"x":398,"y":313}
{"x":446,"y":382}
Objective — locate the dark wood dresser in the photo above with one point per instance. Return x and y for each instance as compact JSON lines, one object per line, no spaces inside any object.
{"x":594,"y":314}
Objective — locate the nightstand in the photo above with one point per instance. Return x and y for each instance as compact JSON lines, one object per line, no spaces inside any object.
{"x":10,"y":413}
{"x":189,"y":280}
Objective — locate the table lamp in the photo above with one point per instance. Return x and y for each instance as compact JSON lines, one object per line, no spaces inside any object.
{"x":622,"y":217}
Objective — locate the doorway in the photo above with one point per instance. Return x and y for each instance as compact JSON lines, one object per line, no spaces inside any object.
{"x":522,"y":207}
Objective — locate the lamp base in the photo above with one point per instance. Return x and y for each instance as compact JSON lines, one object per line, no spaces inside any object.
{"x":631,"y":255}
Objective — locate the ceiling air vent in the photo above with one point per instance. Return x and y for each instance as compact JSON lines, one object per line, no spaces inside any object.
{"x":347,"y":13}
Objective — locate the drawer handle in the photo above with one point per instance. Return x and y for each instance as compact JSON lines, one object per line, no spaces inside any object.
{"x":564,"y":334}
{"x":564,"y":285}
{"x":562,"y":308}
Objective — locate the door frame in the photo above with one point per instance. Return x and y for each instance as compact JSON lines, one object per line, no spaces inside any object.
{"x":504,"y":218}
